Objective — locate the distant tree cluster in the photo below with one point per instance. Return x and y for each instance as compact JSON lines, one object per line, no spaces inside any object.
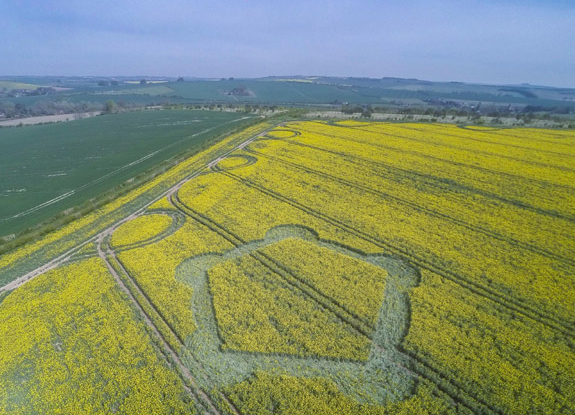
{"x":46,"y":107}
{"x":240,"y":91}
{"x":10,"y":109}
{"x":110,"y":106}
{"x":108,"y":83}
{"x":364,"y":110}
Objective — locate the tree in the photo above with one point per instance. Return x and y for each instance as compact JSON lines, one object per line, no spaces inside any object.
{"x":143,"y":82}
{"x":180,"y":79}
{"x":110,"y":106}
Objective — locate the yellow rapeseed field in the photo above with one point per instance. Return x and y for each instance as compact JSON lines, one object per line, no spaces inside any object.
{"x":323,"y":267}
{"x":71,"y":344}
{"x":486,"y":215}
{"x":140,"y":229}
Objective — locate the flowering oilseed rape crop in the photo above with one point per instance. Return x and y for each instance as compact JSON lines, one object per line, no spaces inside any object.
{"x":340,"y":267}
{"x":70,"y":343}
{"x":485,"y":212}
{"x":140,"y":229}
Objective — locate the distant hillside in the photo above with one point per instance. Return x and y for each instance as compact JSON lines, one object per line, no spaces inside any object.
{"x":309,"y":91}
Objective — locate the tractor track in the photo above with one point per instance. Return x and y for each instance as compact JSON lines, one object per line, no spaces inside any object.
{"x":64,"y":257}
{"x":109,"y":258}
{"x":474,"y":228}
{"x":421,"y":370}
{"x":510,"y":303}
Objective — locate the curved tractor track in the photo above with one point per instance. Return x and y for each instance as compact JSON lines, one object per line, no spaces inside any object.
{"x":138,"y":298}
{"x":66,"y":256}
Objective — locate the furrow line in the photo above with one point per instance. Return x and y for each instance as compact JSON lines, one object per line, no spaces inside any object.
{"x":288,"y":276}
{"x":439,"y":182}
{"x":455,"y":163}
{"x":437,"y":379}
{"x":443,"y":134}
{"x":510,"y":304}
{"x":179,"y":221}
{"x":492,"y":234}
{"x":170,"y":328}
{"x":199,"y":396}
{"x":62,"y":258}
{"x":445,"y":384}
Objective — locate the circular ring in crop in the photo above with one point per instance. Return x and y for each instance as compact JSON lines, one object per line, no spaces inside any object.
{"x":235,"y":162}
{"x":141,"y":231}
{"x":281,"y":133}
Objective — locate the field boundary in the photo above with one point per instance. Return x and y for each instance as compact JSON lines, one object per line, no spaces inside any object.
{"x":62,"y":258}
{"x":11,"y":243}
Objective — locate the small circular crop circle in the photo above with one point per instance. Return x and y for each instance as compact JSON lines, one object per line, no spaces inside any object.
{"x":141,"y":230}
{"x":280,"y":133}
{"x":235,"y":162}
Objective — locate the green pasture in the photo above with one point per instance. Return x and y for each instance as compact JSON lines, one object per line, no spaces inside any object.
{"x":368,"y":91}
{"x":316,"y":91}
{"x":45,"y":169}
{"x":263,"y":91}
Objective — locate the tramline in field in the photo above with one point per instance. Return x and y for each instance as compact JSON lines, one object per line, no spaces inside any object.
{"x":47,"y":169}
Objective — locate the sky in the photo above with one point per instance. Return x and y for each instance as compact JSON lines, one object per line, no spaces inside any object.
{"x":480,"y":41}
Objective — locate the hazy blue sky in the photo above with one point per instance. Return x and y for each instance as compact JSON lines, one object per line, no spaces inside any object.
{"x":485,"y":41}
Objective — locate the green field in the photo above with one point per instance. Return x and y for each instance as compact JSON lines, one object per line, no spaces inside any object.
{"x":270,"y":92}
{"x":46,"y":169}
{"x":300,"y":91}
{"x":17,"y":85}
{"x":356,"y":91}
